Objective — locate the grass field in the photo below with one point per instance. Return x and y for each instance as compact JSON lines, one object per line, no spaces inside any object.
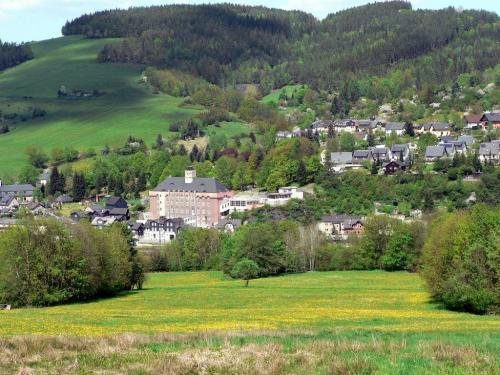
{"x":203,"y":322}
{"x":127,"y":108}
{"x":205,"y":301}
{"x":275,"y":94}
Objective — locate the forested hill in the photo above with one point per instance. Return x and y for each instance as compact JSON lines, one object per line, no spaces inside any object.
{"x":239,"y":44}
{"x":12,"y":54}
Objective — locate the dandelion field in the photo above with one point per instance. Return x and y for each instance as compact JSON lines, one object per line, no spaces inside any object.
{"x":330,"y":322}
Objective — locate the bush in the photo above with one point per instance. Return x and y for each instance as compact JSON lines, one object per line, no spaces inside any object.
{"x":45,"y":262}
{"x":461,"y":260}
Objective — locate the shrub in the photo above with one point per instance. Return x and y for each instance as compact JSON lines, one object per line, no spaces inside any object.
{"x":461,"y":260}
{"x":45,"y":262}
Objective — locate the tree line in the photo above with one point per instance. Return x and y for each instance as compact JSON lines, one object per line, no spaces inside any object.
{"x":12,"y":54}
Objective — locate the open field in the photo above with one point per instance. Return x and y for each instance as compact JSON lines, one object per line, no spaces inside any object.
{"x":185,"y":323}
{"x":274,"y":96}
{"x":127,"y":107}
{"x":208,"y":301}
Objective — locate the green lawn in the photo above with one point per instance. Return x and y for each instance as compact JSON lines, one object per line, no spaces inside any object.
{"x":127,"y":108}
{"x":229,"y":129}
{"x":275,"y":94}
{"x":203,"y":322}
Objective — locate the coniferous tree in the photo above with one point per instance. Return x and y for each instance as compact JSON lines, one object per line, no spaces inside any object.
{"x":302,"y":173}
{"x":79,"y":187}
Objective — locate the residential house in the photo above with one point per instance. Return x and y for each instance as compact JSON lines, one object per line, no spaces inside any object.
{"x":8,"y":204}
{"x":36,"y":208}
{"x":22,"y":192}
{"x":161,"y":230}
{"x":433,"y":153}
{"x":322,"y":126}
{"x":97,"y":210}
{"x":439,"y":129}
{"x":101,"y":222}
{"x":394,"y":166}
{"x":197,"y":200}
{"x":381,"y":154}
{"x":395,"y":127}
{"x":367,"y":126}
{"x":360,"y":156}
{"x":63,"y":199}
{"x":137,"y":229}
{"x":467,"y":139}
{"x":490,"y":151}
{"x":283,"y":195}
{"x":116,"y":202}
{"x":119,"y":213}
{"x":340,"y":161}
{"x":348,"y":126}
{"x":491,"y":119}
{"x":473,"y":122}
{"x":341,"y":226}
{"x":44,"y":178}
{"x":400,"y":152}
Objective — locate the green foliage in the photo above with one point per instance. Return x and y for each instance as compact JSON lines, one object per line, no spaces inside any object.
{"x":12,"y":54}
{"x":36,"y":156}
{"x":245,"y":269}
{"x":461,"y":260}
{"x":46,"y":263}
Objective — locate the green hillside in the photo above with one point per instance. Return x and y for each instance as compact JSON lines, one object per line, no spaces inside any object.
{"x":126,"y":108}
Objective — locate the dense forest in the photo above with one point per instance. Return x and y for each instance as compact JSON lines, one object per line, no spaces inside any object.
{"x":229,"y":44}
{"x":12,"y":54}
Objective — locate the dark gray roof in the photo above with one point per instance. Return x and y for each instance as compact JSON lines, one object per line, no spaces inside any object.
{"x":199,"y":184}
{"x":380,"y":150}
{"x":494,"y":117}
{"x":397,"y":162}
{"x":339,"y":219}
{"x":113,"y":200}
{"x":361,"y":154}
{"x":340,"y":157}
{"x":440,"y":125}
{"x":447,"y":138}
{"x":399,"y":148}
{"x":467,"y":139}
{"x":118,"y":211}
{"x":64,"y":199}
{"x":435,"y":151}
{"x":6,"y":199}
{"x":17,"y":190}
{"x":395,"y":126}
{"x":490,"y":148}
{"x":322,"y":124}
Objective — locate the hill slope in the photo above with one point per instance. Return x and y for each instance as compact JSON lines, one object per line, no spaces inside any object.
{"x":227,"y":43}
{"x":126,"y":106}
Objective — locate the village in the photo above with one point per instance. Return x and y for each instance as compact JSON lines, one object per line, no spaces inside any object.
{"x":191,"y":201}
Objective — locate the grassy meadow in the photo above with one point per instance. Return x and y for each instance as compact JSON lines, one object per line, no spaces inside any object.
{"x":203,"y":322}
{"x":127,"y":107}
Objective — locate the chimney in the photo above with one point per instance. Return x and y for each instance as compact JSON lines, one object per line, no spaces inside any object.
{"x":189,"y":175}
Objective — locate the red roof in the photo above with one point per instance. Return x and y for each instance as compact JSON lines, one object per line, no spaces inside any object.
{"x":473,"y":119}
